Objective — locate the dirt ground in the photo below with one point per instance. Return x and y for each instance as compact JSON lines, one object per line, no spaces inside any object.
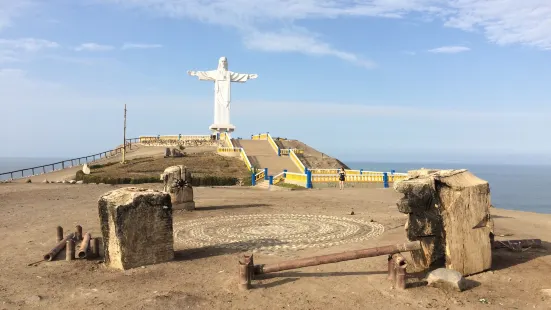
{"x":206,"y":278}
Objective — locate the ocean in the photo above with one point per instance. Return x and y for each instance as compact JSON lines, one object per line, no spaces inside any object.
{"x":523,"y":188}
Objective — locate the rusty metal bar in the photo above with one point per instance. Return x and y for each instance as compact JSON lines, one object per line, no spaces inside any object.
{"x":391,"y":269}
{"x":84,"y":245}
{"x":60,"y":245}
{"x":70,"y":250}
{"x":94,"y":247}
{"x":59,"y":234}
{"x":78,"y":234}
{"x":246,"y":271}
{"x":400,"y":266}
{"x":524,"y":243}
{"x":338,"y":257}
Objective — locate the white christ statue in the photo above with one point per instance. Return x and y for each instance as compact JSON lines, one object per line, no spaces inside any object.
{"x":222,"y":78}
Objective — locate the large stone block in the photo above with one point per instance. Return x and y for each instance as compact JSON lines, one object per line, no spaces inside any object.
{"x":136,"y":226}
{"x":449,"y":213}
{"x":177,"y":182}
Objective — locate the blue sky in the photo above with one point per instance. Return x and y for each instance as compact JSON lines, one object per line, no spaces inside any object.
{"x":371,"y":80}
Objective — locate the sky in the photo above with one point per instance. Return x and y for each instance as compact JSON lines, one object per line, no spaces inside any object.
{"x":362,"y":80}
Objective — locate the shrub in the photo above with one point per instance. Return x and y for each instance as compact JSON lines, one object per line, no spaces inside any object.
{"x":196,"y":181}
{"x":99,"y":166}
{"x":247,"y":181}
{"x":79,"y":175}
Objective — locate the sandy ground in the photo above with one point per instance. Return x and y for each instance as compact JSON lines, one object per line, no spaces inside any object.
{"x":206,"y":278}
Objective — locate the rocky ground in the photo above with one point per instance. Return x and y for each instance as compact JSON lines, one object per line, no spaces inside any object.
{"x":205,"y":277}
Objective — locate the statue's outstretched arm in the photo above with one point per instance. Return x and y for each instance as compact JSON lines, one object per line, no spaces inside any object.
{"x":204,"y":75}
{"x":242,"y":77}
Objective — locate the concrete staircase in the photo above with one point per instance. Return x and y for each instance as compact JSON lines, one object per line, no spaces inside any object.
{"x":262,"y":155}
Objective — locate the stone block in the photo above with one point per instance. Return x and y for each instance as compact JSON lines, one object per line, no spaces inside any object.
{"x":177,"y":182}
{"x":448,"y":211}
{"x":136,"y":226}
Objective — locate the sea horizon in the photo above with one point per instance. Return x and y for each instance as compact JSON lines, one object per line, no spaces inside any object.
{"x":513,"y":186}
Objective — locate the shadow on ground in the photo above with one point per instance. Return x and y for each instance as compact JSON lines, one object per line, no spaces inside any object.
{"x":245,"y":247}
{"x":231,"y":207}
{"x":505,"y":258}
{"x":292,"y":276}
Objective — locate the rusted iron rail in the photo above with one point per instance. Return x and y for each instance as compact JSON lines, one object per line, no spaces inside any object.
{"x":84,"y":246}
{"x":60,"y":246}
{"x":338,"y":257}
{"x":42,"y":169}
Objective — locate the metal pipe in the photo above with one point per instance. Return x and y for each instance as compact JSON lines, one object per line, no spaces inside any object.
{"x":70,"y":250}
{"x":94,"y":247}
{"x":401,"y":277}
{"x":78,"y":234}
{"x":60,"y":245}
{"x":400,"y":266}
{"x":338,"y":257}
{"x":245,"y":272}
{"x":391,"y":269}
{"x":525,"y":243}
{"x":83,"y":250}
{"x":59,"y":234}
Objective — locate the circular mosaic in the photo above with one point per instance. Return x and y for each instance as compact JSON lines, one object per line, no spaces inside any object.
{"x":268,"y":233}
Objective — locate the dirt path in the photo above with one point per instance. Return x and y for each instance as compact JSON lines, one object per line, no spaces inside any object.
{"x":205,"y":278}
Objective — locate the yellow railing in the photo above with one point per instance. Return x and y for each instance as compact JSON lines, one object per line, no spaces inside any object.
{"x":260,"y":176}
{"x":298,"y":178}
{"x":287,"y":151}
{"x":223,"y":149}
{"x":296,"y":161}
{"x":262,"y":136}
{"x":278,"y":178}
{"x":336,"y":171}
{"x":175,"y":137}
{"x":368,"y":177}
{"x":273,"y":144}
{"x":227,"y":139}
{"x":245,"y":159}
{"x":397,"y":177}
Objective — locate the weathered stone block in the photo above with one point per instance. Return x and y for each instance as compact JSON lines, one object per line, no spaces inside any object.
{"x":449,"y":213}
{"x":177,"y":182}
{"x":136,"y":226}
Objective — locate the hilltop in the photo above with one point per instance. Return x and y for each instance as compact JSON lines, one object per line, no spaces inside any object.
{"x":311,"y":157}
{"x":148,"y":162}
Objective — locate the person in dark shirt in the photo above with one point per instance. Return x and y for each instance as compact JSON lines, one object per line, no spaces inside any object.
{"x":342,"y":176}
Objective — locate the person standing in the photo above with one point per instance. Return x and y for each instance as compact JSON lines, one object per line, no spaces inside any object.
{"x":342,"y":177}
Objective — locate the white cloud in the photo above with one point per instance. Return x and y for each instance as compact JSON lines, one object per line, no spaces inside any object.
{"x":299,"y":41}
{"x":524,"y":22}
{"x":449,"y":49}
{"x":127,"y":46}
{"x":8,"y":56}
{"x":94,"y":47}
{"x":27,"y":44}
{"x":11,"y":9}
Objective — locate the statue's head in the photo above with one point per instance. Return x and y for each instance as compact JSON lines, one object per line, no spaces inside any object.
{"x":223,"y":63}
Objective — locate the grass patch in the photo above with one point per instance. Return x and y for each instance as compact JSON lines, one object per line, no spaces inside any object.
{"x":290,"y":185}
{"x":207,"y":169}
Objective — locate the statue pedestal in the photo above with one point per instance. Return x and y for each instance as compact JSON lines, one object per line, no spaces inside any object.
{"x":222,"y":128}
